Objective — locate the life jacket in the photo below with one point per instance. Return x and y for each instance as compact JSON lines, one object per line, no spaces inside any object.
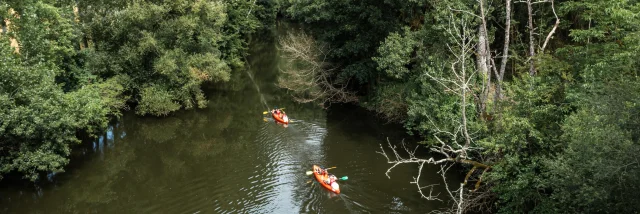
{"x":335,"y":186}
{"x":332,"y":180}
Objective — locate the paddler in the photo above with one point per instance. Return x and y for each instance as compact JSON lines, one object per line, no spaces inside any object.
{"x":332,"y":182}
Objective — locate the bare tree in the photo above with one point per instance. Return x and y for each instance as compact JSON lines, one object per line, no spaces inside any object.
{"x":307,"y":74}
{"x":484,"y":55}
{"x":457,"y":145}
{"x":484,"y":62}
{"x":507,"y":33}
{"x":505,"y":51}
{"x":452,"y":147}
{"x":532,"y":52}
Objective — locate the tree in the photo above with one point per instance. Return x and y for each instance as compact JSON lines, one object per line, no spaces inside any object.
{"x":79,"y":62}
{"x":526,"y":146}
{"x":355,"y":29}
{"x":307,"y":73}
{"x":38,"y":121}
{"x":456,"y":79}
{"x":168,"y":49}
{"x":597,"y":172}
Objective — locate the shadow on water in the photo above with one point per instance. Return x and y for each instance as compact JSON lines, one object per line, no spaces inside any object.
{"x":226,"y":159}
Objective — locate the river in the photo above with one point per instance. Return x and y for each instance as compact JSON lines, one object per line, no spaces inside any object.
{"x":230,"y":158}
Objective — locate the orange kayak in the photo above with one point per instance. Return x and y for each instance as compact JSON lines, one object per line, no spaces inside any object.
{"x":284,"y":119}
{"x":317,"y":172}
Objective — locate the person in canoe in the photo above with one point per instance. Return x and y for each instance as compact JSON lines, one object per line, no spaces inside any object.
{"x":278,"y":114}
{"x":323,"y":171}
{"x":319,"y":171}
{"x":331,"y":180}
{"x":328,"y":181}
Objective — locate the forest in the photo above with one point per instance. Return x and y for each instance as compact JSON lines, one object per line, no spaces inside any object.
{"x":536,"y":100}
{"x":70,"y":66}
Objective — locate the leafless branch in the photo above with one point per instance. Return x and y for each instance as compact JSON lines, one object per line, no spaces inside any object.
{"x":398,"y":159}
{"x":308,"y":74}
{"x":451,"y":145}
{"x":530,"y":12}
{"x":553,"y":30}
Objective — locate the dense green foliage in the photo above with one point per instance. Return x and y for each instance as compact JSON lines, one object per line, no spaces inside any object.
{"x":354,"y":28}
{"x":80,"y":63}
{"x":167,"y":49}
{"x":40,"y":120}
{"x":560,"y":134}
{"x":562,"y":140}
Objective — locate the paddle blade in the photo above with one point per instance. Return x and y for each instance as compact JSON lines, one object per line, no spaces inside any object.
{"x":266,"y":112}
{"x":309,"y":172}
{"x":344,"y":178}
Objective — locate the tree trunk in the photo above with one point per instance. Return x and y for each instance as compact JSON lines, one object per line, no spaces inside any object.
{"x":483,"y":68}
{"x":507,"y":32}
{"x":484,"y":57}
{"x":505,"y":51}
{"x":532,"y":53}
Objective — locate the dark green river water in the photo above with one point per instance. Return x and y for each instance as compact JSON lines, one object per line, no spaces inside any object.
{"x":228,"y":159}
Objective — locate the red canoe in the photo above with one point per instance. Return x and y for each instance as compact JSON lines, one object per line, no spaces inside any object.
{"x":284,"y":119}
{"x":317,"y":172}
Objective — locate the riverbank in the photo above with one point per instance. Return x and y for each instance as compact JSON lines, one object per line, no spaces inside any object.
{"x":225,"y":158}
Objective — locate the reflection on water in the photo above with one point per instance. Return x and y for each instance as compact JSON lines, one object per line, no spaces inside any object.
{"x":108,"y":138}
{"x":226,"y":159}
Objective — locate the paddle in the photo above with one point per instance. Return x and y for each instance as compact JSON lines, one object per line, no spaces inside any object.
{"x":266,"y":112}
{"x":311,"y":172}
{"x":343,"y":178}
